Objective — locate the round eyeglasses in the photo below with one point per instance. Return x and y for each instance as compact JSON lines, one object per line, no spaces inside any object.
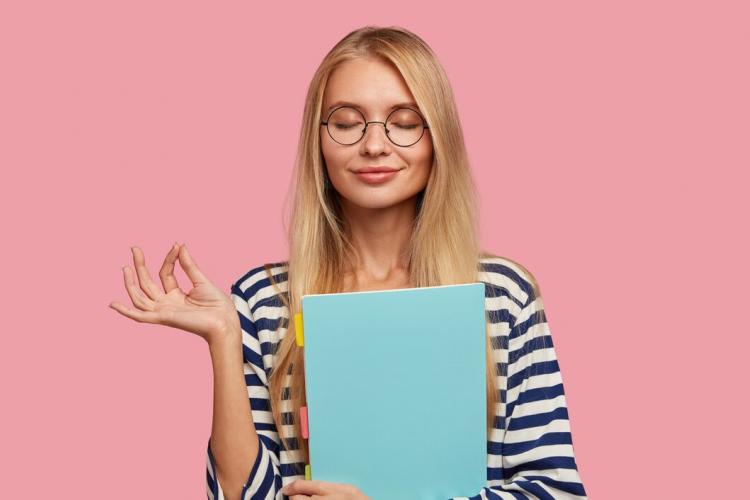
{"x":347,"y":125}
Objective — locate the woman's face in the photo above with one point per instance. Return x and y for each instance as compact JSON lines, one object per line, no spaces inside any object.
{"x":374,"y":87}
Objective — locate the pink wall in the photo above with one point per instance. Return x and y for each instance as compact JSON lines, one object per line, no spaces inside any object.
{"x":610,"y":145}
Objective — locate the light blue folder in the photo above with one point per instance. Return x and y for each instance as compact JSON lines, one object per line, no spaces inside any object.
{"x":396,"y":390}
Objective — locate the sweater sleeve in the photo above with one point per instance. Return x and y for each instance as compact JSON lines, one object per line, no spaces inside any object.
{"x":265,"y":479}
{"x":536,"y":450}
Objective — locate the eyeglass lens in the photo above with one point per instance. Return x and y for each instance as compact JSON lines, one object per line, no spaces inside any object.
{"x":404,"y":126}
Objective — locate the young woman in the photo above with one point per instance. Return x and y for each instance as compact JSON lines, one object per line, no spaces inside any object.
{"x":383,"y":199}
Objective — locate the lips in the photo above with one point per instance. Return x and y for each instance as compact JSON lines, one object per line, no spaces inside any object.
{"x":376,"y":177}
{"x":366,"y":170}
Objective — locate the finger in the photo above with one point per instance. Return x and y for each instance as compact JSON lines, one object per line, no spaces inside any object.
{"x":166,"y":273}
{"x":306,"y":487}
{"x":147,"y":284}
{"x":140,"y":300}
{"x":139,"y":316}
{"x":190,"y":267}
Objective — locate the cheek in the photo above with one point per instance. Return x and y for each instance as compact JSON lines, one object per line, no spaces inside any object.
{"x":422,"y":153}
{"x":333,"y":156}
{"x":423,"y":157}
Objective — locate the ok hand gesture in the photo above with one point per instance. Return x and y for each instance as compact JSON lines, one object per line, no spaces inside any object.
{"x":205,"y":310}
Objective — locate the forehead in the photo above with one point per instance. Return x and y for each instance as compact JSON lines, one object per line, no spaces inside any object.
{"x":371,"y":84}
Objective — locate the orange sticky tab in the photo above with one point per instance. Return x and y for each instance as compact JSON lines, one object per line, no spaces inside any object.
{"x":303,"y":422}
{"x":299,"y":333}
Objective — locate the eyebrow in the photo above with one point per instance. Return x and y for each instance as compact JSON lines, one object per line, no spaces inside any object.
{"x":355,"y":105}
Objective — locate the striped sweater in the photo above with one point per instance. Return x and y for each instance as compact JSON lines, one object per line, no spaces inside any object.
{"x":529,"y":450}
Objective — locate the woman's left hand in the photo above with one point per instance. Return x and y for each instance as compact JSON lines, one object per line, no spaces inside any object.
{"x":309,"y":489}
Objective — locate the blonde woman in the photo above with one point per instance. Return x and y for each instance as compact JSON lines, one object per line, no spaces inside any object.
{"x":382,"y":199}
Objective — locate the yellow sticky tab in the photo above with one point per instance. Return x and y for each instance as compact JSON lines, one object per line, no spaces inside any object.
{"x":307,"y":472}
{"x":300,"y":334}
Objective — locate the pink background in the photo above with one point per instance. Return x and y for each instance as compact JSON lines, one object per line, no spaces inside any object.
{"x":610,"y":144}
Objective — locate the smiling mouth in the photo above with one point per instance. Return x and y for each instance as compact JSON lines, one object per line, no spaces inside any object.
{"x":376,"y":177}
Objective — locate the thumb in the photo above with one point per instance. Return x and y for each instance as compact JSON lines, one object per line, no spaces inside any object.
{"x":190,"y":267}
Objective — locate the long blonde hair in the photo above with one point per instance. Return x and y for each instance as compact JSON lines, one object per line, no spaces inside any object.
{"x":444,"y":246}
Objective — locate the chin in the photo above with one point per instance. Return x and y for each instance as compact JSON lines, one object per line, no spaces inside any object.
{"x":376,"y":201}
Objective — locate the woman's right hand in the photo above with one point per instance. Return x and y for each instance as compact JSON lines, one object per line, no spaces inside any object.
{"x":205,"y":310}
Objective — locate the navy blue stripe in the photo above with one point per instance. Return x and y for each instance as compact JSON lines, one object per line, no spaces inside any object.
{"x":499,"y":341}
{"x":498,"y":474}
{"x":260,"y":404}
{"x":247,"y":325}
{"x":495,"y":474}
{"x":264,"y":282}
{"x":271,"y":324}
{"x":542,"y":367}
{"x":265,"y":427}
{"x":287,"y":418}
{"x":494,"y":290}
{"x":498,"y":422}
{"x":535,"y":489}
{"x":249,"y":274}
{"x":572,"y":488}
{"x":493,"y":492}
{"x":294,"y":469}
{"x":501,"y":316}
{"x":269,"y":443}
{"x":267,"y":348}
{"x":251,"y":356}
{"x":506,"y":271}
{"x":265,"y":485}
{"x":548,"y":439}
{"x":253,"y":380}
{"x":212,"y":482}
{"x":538,"y":419}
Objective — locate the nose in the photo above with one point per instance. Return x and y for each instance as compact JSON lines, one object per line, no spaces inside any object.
{"x":375,"y":141}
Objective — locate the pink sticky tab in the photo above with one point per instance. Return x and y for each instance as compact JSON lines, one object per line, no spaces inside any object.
{"x":303,"y":421}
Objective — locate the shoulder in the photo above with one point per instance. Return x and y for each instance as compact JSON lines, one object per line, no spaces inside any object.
{"x":508,"y":277}
{"x":262,"y":284}
{"x":265,"y":283}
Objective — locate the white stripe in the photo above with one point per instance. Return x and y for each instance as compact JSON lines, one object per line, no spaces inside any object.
{"x":502,"y":303}
{"x":537,"y":330}
{"x":267,"y":292}
{"x":530,"y":357}
{"x":260,"y":274}
{"x":555,"y":450}
{"x":271,"y":313}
